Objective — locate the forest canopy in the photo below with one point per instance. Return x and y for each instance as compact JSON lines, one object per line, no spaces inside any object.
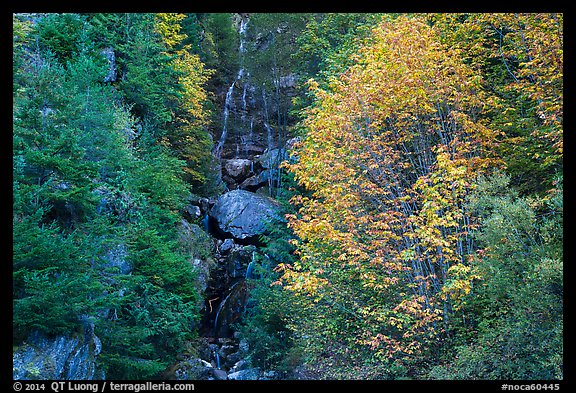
{"x":421,"y":188}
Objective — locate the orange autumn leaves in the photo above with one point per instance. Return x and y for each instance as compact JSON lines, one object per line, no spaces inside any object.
{"x":390,"y":154}
{"x":529,"y":47}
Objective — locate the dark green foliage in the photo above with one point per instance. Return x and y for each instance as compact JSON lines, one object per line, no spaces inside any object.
{"x":152,"y":255}
{"x":52,"y":281}
{"x":60,"y":34}
{"x":96,"y":195}
{"x":146,"y":76}
{"x":150,"y":82}
{"x":193,"y":28}
{"x":266,"y":325}
{"x":516,"y":309}
{"x":103,"y":169}
{"x":148,"y":326}
{"x":266,"y":328}
{"x":219,"y":45}
{"x":325,"y":45}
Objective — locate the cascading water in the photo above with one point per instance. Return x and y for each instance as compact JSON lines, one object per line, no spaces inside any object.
{"x":250,"y":267}
{"x":248,"y":150}
{"x":232,"y":303}
{"x":229,"y":103}
{"x":242,"y":31}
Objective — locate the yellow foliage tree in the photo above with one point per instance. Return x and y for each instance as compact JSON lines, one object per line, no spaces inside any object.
{"x":391,"y":151}
{"x":186,"y":136}
{"x":522,"y":58}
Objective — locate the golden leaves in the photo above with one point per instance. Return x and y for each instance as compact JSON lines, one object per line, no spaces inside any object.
{"x":458,"y":284}
{"x":390,"y":154}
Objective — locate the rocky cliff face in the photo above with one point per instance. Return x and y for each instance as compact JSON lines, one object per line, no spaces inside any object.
{"x":250,"y":150}
{"x":235,"y":220}
{"x":58,"y":358}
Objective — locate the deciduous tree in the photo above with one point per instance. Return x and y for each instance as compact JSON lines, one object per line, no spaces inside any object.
{"x":391,"y":150}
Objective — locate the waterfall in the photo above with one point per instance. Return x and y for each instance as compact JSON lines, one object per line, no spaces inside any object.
{"x":270,"y":138}
{"x":229,"y":102}
{"x":244,"y":101}
{"x":221,"y":306}
{"x":250,"y":267}
{"x":206,"y":223}
{"x":243,"y":27}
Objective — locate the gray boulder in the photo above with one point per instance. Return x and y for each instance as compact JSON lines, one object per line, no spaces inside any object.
{"x":247,"y":374}
{"x":226,"y":246}
{"x":220,"y":375}
{"x":243,"y":214}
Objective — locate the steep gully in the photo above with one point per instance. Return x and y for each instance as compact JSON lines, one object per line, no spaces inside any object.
{"x":250,"y":154}
{"x":250,"y":151}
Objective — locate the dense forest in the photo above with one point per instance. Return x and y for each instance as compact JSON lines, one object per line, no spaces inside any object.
{"x":287,"y":196}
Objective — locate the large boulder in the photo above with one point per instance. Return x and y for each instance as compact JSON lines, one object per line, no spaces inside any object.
{"x":243,"y":215}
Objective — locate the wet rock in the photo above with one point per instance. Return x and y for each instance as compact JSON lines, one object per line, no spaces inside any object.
{"x":230,"y":310}
{"x":193,"y":369}
{"x":256,"y":181}
{"x":272,"y":158}
{"x":219,"y":374}
{"x":226,"y":246}
{"x":287,"y":84}
{"x":240,"y":365}
{"x":237,"y":169}
{"x":270,"y":375}
{"x":238,"y":260}
{"x":232,"y":359}
{"x":243,"y":214}
{"x":193,"y":211}
{"x":59,"y":358}
{"x":247,"y":374}
{"x":226,"y":350}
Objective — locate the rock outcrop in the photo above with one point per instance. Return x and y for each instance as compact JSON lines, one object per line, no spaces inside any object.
{"x":59,"y":358}
{"x":242,"y":215}
{"x":236,"y":170}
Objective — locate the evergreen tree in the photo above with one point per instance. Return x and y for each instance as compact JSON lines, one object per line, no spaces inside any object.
{"x":97,"y":194}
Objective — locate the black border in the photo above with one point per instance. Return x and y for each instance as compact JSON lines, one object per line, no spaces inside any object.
{"x":300,"y":7}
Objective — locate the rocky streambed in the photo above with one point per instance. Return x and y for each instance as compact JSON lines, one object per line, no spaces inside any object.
{"x":235,"y":221}
{"x":227,"y":361}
